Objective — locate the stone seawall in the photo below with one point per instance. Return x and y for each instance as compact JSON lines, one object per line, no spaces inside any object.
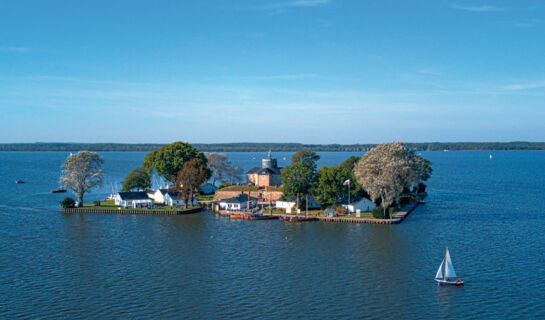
{"x":129,"y":211}
{"x":262,"y":195}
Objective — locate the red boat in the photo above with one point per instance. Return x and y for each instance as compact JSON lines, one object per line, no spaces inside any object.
{"x":58,"y":191}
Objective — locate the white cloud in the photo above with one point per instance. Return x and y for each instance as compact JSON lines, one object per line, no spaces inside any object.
{"x":280,"y":7}
{"x":14,"y":49}
{"x":525,"y":86}
{"x":477,"y":8}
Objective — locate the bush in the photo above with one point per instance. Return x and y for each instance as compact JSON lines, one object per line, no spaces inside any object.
{"x":378,"y":212}
{"x":340,"y":210}
{"x":68,"y":203}
{"x":223,"y":184}
{"x":97,"y":203}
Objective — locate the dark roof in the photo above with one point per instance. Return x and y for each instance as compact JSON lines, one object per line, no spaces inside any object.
{"x":264,"y":171}
{"x":140,"y":195}
{"x":241,"y":198}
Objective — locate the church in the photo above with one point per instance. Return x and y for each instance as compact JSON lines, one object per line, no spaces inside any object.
{"x":266,"y":175}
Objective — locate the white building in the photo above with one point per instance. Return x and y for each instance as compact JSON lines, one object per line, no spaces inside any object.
{"x":237,"y":203}
{"x":363,"y":204}
{"x":168,"y":197}
{"x":174,"y":198}
{"x":312,"y":204}
{"x":133,"y":199}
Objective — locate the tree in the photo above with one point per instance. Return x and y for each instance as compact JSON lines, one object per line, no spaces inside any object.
{"x":190,"y":178}
{"x":329,"y":184}
{"x":138,"y":179}
{"x":169,"y":160}
{"x":308,"y":158}
{"x":350,"y":163}
{"x":234,"y":174}
{"x":81,"y":173}
{"x":297,"y":179}
{"x":219,"y":164}
{"x":385,"y":171}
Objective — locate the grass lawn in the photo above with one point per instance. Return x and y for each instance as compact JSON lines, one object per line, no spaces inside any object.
{"x":110,"y":204}
{"x":204,"y":197}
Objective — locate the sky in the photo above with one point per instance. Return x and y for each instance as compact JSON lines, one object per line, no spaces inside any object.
{"x":309,"y":71}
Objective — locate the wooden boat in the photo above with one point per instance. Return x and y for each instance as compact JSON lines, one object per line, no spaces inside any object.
{"x":284,"y":218}
{"x":237,"y":216}
{"x":301,"y":219}
{"x":446,"y":274}
{"x":259,"y":217}
{"x":59,"y":190}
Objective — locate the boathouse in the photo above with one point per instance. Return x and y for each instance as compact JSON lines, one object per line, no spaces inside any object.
{"x":237,"y":203}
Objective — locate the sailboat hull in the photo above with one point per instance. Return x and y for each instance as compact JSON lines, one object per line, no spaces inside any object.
{"x":449,"y":283}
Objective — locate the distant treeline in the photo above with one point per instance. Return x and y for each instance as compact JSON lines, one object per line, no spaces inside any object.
{"x":277,"y":147}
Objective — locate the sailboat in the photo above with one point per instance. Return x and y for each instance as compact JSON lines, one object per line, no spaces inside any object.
{"x":446,"y":274}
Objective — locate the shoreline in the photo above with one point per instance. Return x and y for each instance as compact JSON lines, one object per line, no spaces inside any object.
{"x":130,"y":211}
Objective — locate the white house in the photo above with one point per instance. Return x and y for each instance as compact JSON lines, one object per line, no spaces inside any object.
{"x":133,"y":199}
{"x":174,"y":198}
{"x":362,"y":204}
{"x":237,"y":203}
{"x":312,"y":204}
{"x":168,"y":197}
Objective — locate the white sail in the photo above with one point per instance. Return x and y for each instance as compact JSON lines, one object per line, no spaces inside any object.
{"x":439,"y":274}
{"x":449,"y":268}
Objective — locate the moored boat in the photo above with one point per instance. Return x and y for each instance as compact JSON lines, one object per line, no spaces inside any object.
{"x":446,"y":274}
{"x":237,"y":216}
{"x":19,"y":181}
{"x":59,"y":190}
{"x":259,"y":217}
{"x":301,"y":219}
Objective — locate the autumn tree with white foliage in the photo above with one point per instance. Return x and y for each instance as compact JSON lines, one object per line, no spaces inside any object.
{"x":386,"y":170}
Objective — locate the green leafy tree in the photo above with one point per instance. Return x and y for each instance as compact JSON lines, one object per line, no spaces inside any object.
{"x":138,"y":179}
{"x":329,"y":186}
{"x":169,"y":160}
{"x":306,"y":157}
{"x":81,"y":173}
{"x":297,"y":179}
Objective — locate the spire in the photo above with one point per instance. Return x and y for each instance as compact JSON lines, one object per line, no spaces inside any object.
{"x":269,"y":155}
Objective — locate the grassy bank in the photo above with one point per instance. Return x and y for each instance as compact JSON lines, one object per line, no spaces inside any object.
{"x":110,"y":205}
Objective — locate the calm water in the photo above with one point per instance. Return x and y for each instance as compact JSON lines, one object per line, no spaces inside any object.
{"x":488,"y":212}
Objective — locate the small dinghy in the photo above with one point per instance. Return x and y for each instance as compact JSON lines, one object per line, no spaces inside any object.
{"x":19,"y":181}
{"x":446,"y":274}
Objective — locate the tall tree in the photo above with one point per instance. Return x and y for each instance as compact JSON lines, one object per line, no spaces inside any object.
{"x":167,"y":161}
{"x":219,"y":164}
{"x":81,"y":173}
{"x":329,"y":186}
{"x":138,"y":179}
{"x":306,"y":157}
{"x":190,"y":179}
{"x":234,"y":174}
{"x":297,"y":179}
{"x":385,"y":171}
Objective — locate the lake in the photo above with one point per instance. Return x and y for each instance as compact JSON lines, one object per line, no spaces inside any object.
{"x":489,"y":212}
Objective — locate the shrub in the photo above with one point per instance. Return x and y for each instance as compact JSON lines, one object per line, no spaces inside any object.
{"x":378,"y":212}
{"x":97,"y":203}
{"x":340,"y":210}
{"x":223,"y":184}
{"x":68,"y":203}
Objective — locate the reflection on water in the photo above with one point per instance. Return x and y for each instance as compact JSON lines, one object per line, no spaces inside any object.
{"x":487,"y":212}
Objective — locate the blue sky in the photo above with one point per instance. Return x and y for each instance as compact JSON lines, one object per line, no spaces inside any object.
{"x":310,"y":71}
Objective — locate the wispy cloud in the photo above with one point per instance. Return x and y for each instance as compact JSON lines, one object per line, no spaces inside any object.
{"x":477,"y":8}
{"x":280,"y":7}
{"x":525,"y":86}
{"x":14,"y":49}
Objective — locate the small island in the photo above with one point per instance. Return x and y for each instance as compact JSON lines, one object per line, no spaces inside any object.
{"x":384,"y":185}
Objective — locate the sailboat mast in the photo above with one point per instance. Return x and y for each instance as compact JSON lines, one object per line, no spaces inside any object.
{"x":446,"y":262}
